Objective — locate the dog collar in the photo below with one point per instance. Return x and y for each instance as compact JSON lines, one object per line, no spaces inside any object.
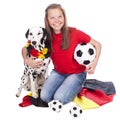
{"x":35,"y":53}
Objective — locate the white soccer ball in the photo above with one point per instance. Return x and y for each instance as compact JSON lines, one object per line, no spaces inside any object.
{"x":84,"y":53}
{"x":55,"y":105}
{"x":76,"y":111}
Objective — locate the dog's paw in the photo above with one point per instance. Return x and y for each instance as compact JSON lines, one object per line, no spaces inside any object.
{"x":18,"y":94}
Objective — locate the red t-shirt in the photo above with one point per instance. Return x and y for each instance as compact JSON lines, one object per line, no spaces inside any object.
{"x":63,"y":60}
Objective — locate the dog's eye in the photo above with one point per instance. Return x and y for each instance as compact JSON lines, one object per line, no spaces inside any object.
{"x":39,"y":33}
{"x":30,"y":34}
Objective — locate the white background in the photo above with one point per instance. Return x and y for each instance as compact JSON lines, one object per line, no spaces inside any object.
{"x":99,"y":18}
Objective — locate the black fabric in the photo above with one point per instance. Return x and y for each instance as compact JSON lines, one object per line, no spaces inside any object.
{"x":38,"y":102}
{"x":107,"y":87}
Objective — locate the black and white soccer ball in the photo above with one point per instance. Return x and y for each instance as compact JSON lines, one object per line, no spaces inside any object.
{"x":76,"y":111}
{"x":55,"y":105}
{"x":84,"y":53}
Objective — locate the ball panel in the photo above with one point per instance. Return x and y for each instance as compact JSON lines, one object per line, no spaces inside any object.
{"x":91,"y":51}
{"x":79,"y":53}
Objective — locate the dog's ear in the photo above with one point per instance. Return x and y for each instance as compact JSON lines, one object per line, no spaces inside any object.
{"x":26,"y":34}
{"x":45,"y":39}
{"x":44,"y":32}
{"x":44,"y":35}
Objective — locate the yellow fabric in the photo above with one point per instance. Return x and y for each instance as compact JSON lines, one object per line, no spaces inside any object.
{"x":85,"y":103}
{"x":30,"y":93}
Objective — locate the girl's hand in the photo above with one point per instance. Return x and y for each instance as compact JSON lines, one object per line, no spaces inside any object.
{"x":91,"y":68}
{"x":34,"y":63}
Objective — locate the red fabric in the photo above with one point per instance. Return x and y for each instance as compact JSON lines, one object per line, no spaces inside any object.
{"x":34,"y":53}
{"x":63,"y":60}
{"x":97,"y":96}
{"x":26,"y":101}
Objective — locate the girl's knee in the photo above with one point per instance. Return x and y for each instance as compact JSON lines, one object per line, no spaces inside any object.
{"x":61,"y":98}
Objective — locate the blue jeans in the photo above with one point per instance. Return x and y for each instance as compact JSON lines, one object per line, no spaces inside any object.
{"x":62,"y":87}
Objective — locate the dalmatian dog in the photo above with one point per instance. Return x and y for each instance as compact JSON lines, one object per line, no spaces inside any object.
{"x":38,"y":48}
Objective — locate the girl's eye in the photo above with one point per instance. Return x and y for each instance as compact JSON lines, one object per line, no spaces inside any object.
{"x":52,"y":18}
{"x":59,"y":16}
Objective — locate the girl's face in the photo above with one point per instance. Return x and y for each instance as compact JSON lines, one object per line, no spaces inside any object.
{"x":55,"y":19}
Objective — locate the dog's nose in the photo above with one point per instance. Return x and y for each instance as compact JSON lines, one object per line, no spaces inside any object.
{"x":34,"y":42}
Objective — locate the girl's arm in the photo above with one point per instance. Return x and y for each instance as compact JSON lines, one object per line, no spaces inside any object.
{"x":91,"y":68}
{"x":29,"y":60}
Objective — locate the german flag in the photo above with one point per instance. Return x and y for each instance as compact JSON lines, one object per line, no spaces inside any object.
{"x":95,"y":93}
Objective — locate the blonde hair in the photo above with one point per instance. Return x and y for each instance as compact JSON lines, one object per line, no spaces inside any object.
{"x":64,"y":30}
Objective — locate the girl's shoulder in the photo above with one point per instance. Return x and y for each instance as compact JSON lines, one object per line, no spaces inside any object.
{"x":76,"y":32}
{"x":73,"y":29}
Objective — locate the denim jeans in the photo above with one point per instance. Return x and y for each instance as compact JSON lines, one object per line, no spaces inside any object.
{"x":62,"y":87}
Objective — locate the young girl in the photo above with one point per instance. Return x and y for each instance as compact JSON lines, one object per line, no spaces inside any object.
{"x":67,"y":77}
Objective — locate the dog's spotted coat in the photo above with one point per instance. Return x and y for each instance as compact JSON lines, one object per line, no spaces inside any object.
{"x":33,"y":78}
